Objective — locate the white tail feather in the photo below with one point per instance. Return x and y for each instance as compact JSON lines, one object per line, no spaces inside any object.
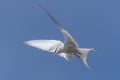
{"x":83,"y":57}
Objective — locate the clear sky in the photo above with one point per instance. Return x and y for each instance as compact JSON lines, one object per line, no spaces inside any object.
{"x":92,"y":23}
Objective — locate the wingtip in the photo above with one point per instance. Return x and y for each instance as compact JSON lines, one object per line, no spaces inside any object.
{"x":38,"y":4}
{"x":26,"y":42}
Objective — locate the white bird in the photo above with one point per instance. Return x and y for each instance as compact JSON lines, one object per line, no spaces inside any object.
{"x":66,"y":49}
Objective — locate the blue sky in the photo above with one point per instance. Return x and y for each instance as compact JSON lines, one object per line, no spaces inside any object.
{"x":92,"y":23}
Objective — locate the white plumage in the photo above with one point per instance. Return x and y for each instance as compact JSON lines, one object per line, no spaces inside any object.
{"x":66,"y":49}
{"x":47,"y":45}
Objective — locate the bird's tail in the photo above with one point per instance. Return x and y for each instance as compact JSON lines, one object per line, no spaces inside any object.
{"x":84,"y":53}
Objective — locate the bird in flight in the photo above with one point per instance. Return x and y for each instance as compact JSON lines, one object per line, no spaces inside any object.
{"x":66,"y":49}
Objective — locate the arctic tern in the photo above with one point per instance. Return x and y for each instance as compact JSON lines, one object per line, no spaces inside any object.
{"x":66,"y":49}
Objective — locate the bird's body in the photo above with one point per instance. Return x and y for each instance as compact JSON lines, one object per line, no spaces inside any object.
{"x":66,"y":49}
{"x":70,"y":46}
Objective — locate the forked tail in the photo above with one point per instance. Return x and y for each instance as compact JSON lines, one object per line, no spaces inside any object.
{"x":83,"y":57}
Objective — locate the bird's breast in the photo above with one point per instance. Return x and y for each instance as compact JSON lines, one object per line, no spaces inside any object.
{"x":69,"y":48}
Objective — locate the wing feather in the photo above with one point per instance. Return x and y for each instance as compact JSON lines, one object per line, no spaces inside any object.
{"x":47,"y":45}
{"x":67,"y":36}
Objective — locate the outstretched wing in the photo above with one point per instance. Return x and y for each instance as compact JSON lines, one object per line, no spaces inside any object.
{"x":47,"y":45}
{"x":67,"y":36}
{"x":52,"y":18}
